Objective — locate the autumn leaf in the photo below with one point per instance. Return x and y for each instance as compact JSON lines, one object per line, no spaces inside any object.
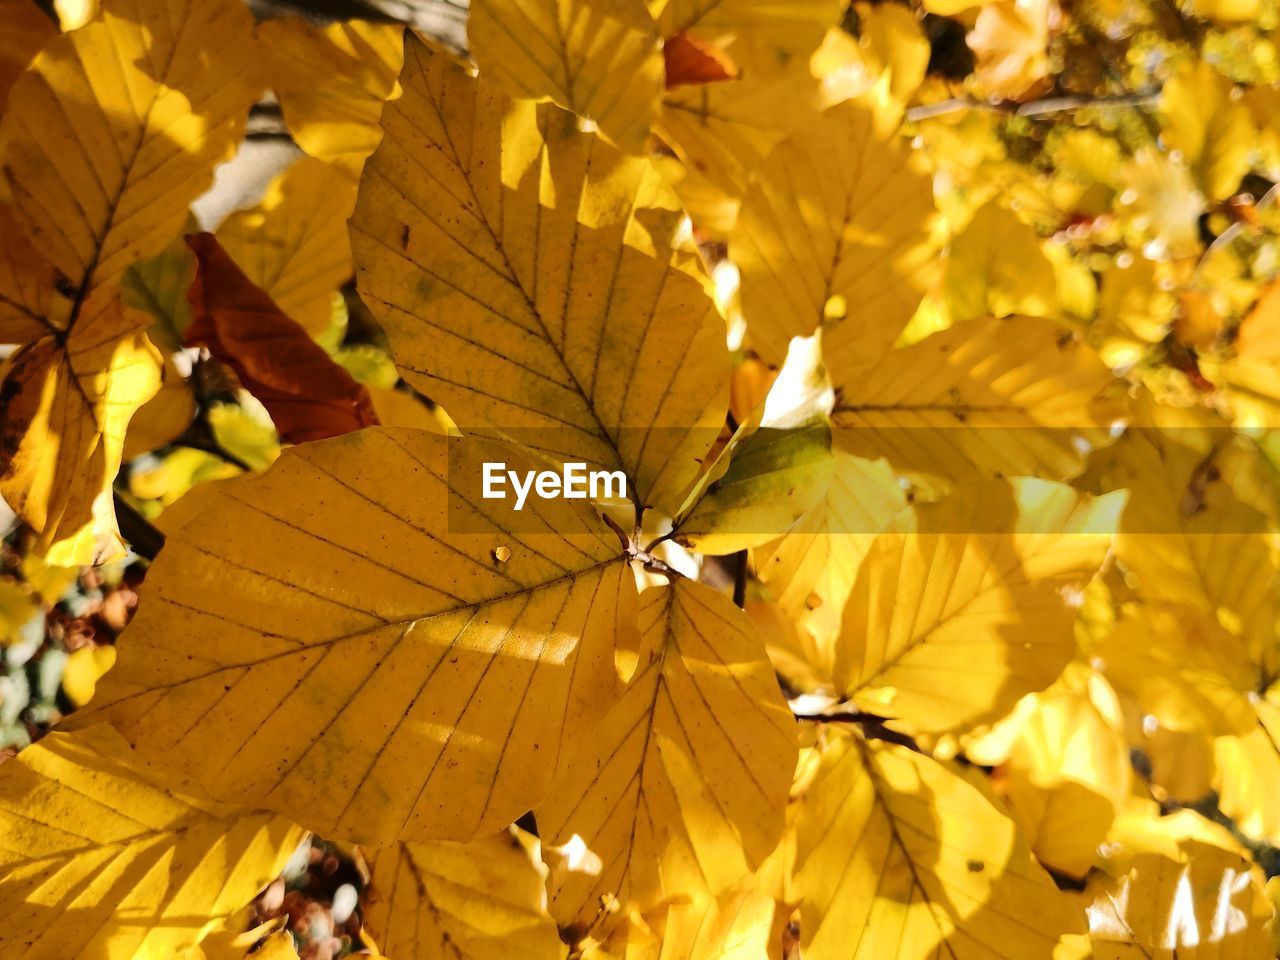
{"x":810,"y":571}
{"x":850,"y":194}
{"x":979,"y":398}
{"x":27,"y":30}
{"x":332,"y":82}
{"x":91,"y":212}
{"x":409,"y":660}
{"x":309,"y":396}
{"x":764,"y":37}
{"x":1210,"y":129}
{"x":68,"y":399}
{"x":478,"y":901}
{"x":900,"y":854}
{"x":103,"y":857}
{"x":689,"y":61}
{"x":683,"y":784}
{"x":602,"y":59}
{"x":979,"y":585}
{"x":293,"y":243}
{"x":772,"y":477}
{"x":561,"y":325}
{"x":1183,"y":884}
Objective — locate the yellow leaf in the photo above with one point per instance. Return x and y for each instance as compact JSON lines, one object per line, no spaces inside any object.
{"x":721,"y":132}
{"x":101,"y":858}
{"x":990,"y":397}
{"x":1162,"y":203}
{"x":158,"y":287}
{"x":68,"y":403}
{"x":766,"y":37}
{"x":163,"y":418}
{"x":27,"y":29}
{"x":683,"y":784}
{"x":103,"y":152}
{"x":1183,"y":669}
{"x":1246,"y":775}
{"x":477,"y":901}
{"x":890,"y":41}
{"x":433,"y":680}
{"x":1187,"y":891}
{"x":293,"y":243}
{"x":810,"y":571}
{"x":1185,"y":536}
{"x":736,"y":925}
{"x":986,"y":277}
{"x":602,"y":59}
{"x":900,"y":855}
{"x":83,"y":670}
{"x":978,"y":586}
{"x":525,"y":284}
{"x":1213,"y":132}
{"x":833,"y":232}
{"x":332,"y":82}
{"x":1069,"y":771}
{"x":1010,"y":40}
{"x":128,"y":78}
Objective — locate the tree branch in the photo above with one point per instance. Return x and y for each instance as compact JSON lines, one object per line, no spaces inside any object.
{"x":1033,"y":108}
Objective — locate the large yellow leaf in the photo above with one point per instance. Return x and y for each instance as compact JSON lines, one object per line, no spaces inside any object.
{"x":293,"y":243}
{"x":67,"y":403}
{"x":331,"y":82}
{"x":477,"y":901}
{"x":521,"y":271}
{"x":835,"y":228}
{"x":102,"y":859}
{"x":978,"y":587}
{"x":902,"y":856}
{"x":766,"y":36}
{"x":990,"y":397}
{"x":1186,"y":890}
{"x":103,"y":152}
{"x":683,"y":784}
{"x":602,"y":59}
{"x":432,"y":664}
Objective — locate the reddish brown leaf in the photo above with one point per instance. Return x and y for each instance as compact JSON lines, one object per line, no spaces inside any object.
{"x":691,"y":61}
{"x":308,"y":395}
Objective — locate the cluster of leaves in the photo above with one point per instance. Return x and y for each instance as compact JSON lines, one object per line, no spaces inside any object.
{"x":947,"y":334}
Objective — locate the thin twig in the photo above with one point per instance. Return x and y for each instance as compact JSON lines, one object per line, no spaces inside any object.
{"x":643,"y":557}
{"x":740,"y":579}
{"x":1033,"y":108}
{"x":873,"y":726}
{"x":145,"y":539}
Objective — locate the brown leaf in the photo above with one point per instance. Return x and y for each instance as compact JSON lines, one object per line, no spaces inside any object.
{"x":308,"y":395}
{"x":691,"y":61}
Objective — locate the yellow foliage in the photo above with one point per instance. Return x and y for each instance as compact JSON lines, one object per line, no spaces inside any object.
{"x":121,"y":863}
{"x":331,"y":83}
